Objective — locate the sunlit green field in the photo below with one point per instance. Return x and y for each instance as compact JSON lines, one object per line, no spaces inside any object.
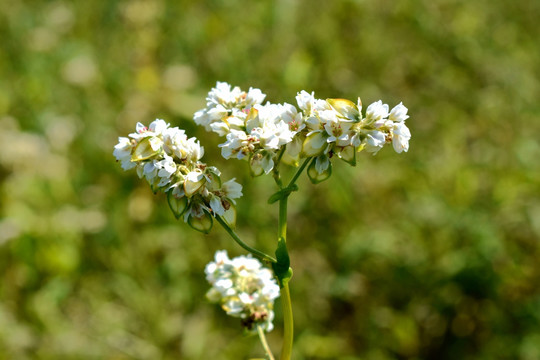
{"x":430,"y":254}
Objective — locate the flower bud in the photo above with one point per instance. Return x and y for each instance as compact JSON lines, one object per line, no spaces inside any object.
{"x":177,"y":204}
{"x":320,"y":169}
{"x":314,"y":144}
{"x":202,"y":223}
{"x":147,"y":148}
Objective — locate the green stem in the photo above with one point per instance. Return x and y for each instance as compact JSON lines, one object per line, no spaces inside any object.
{"x":288,"y":326}
{"x":285,"y":294}
{"x":264,"y":343}
{"x":299,"y":172}
{"x":255,"y":252}
{"x":288,"y":323}
{"x":276,"y":176}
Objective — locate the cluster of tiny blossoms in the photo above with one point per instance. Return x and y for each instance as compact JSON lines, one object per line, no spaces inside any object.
{"x":267,"y":133}
{"x":244,"y":288}
{"x":170,"y":162}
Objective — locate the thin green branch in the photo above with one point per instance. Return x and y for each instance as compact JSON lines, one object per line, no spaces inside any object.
{"x":259,"y":254}
{"x":299,"y":172}
{"x":264,"y":343}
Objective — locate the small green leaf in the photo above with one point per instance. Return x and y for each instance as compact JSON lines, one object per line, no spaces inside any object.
{"x":177,"y":205}
{"x":282,"y":193}
{"x":282,"y":268}
{"x":317,"y":177}
{"x":203,"y":223}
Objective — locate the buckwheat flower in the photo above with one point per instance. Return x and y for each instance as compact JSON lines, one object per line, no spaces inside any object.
{"x":309,"y":104}
{"x":243,"y":288}
{"x":375,"y":141}
{"x":223,"y":94}
{"x":174,"y":142}
{"x":322,"y":163}
{"x":305,"y":101}
{"x":254,"y":96}
{"x":291,"y":116}
{"x":400,"y":137}
{"x":166,"y":168}
{"x":398,"y":113}
{"x":338,"y":130}
{"x":232,"y":189}
{"x":216,"y":204}
{"x":170,"y":162}
{"x":194,"y":150}
{"x":156,"y":128}
{"x":227,"y":108}
{"x":375,"y":112}
{"x":122,"y":152}
{"x":237,"y":144}
{"x":269,"y":127}
{"x":150,"y":170}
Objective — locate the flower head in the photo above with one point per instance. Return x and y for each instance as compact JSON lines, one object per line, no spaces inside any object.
{"x":170,"y":162}
{"x":268,"y":134}
{"x":244,"y":289}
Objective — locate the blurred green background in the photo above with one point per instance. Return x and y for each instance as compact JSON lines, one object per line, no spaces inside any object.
{"x":432,"y":254}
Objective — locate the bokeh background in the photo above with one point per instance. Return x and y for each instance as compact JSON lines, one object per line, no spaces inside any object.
{"x":432,"y":254}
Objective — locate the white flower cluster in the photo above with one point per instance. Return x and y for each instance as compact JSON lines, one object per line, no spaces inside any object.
{"x":170,"y":162}
{"x":243,"y":288}
{"x":320,"y":129}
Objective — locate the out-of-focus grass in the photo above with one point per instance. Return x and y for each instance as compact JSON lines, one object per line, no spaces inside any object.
{"x":431,"y":254}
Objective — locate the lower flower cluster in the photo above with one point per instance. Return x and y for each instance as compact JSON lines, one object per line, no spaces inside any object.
{"x":244,"y":289}
{"x":170,"y":162}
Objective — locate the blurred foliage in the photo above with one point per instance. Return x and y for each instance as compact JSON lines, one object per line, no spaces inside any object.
{"x":431,"y":254}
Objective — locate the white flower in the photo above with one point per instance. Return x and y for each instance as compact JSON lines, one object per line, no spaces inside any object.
{"x":156,"y":128}
{"x":216,"y":205}
{"x":400,"y":137}
{"x":375,"y":112}
{"x":305,"y":101}
{"x":291,"y":116}
{"x":167,"y":167}
{"x":254,"y":96}
{"x":236,"y":140}
{"x":202,"y":118}
{"x":194,"y":150}
{"x":244,"y":288}
{"x":398,"y":113}
{"x":150,"y":171}
{"x":338,"y":130}
{"x":322,"y":163}
{"x":375,"y":141}
{"x":269,"y":128}
{"x":174,"y":141}
{"x":309,"y":104}
{"x":122,"y":152}
{"x":232,"y":189}
{"x":222,"y":94}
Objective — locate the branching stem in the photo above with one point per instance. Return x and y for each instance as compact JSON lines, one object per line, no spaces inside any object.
{"x":258,"y":254}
